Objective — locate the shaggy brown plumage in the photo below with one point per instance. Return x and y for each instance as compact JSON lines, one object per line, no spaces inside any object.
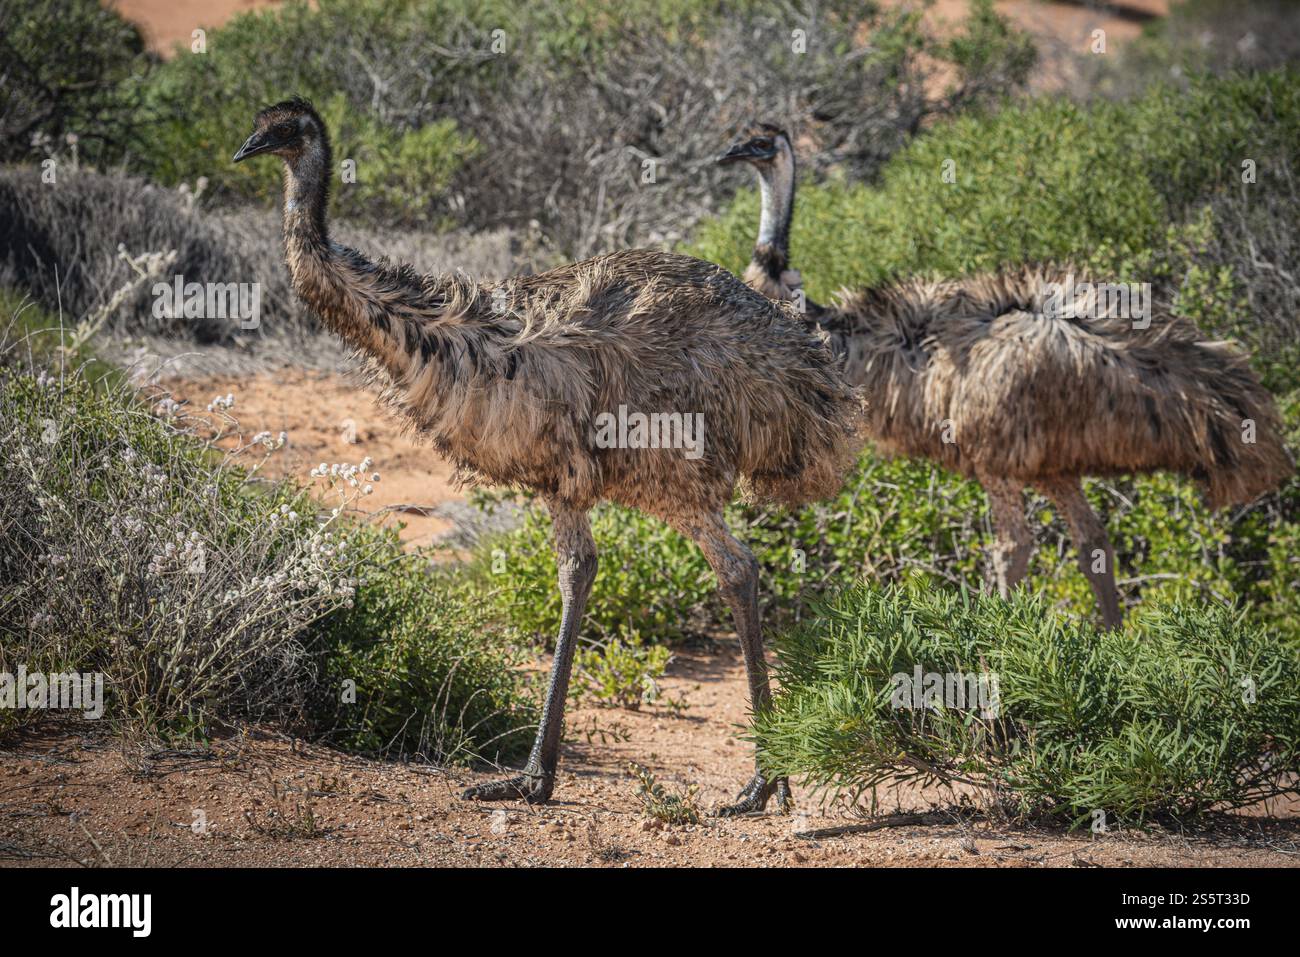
{"x":508,"y":379}
{"x":982,"y":376}
{"x":1030,"y":396}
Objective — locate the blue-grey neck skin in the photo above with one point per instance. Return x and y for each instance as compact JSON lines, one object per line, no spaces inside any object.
{"x":307,"y":182}
{"x":776,"y":186}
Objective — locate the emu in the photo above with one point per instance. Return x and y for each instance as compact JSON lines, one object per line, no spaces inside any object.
{"x":1015,"y":380}
{"x":508,"y":379}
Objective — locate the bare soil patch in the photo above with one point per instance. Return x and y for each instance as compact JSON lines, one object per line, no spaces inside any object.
{"x":329,"y":418}
{"x":268,"y":801}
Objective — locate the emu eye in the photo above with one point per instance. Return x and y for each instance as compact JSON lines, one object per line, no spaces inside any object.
{"x":284,"y":129}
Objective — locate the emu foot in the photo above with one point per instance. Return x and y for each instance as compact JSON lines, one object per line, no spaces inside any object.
{"x":755,"y":795}
{"x":533,"y":787}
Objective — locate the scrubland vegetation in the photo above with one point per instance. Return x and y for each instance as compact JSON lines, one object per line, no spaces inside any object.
{"x":207,"y":595}
{"x":1192,"y":707}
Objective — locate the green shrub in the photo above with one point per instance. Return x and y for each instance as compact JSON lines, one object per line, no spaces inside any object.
{"x":1097,"y":184}
{"x":1193,"y":709}
{"x":651,"y":582}
{"x":205,"y":104}
{"x":73,"y":68}
{"x":429,"y":673}
{"x":620,"y":674}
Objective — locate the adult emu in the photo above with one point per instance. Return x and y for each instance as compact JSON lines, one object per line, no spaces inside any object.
{"x":511,"y":382}
{"x":1009,"y":380}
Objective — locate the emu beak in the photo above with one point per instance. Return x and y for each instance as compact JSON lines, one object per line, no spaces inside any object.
{"x":743,"y":152}
{"x":257,"y":143}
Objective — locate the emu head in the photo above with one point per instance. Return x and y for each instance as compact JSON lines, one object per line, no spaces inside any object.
{"x":767,"y":149}
{"x":288,"y":129}
{"x":762,"y":145}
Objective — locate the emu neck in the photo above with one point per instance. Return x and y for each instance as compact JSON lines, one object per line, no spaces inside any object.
{"x":331,"y":280}
{"x":776,"y":186}
{"x":408,"y":324}
{"x":306,"y":194}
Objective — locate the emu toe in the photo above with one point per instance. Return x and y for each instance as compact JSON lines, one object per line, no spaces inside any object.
{"x":755,"y":795}
{"x":533,"y":788}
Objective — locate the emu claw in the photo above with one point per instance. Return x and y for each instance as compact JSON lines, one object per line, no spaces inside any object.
{"x":533,"y":788}
{"x":755,"y":795}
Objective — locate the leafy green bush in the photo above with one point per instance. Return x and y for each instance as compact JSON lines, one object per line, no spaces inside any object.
{"x":1098,"y":184}
{"x":400,"y":174}
{"x":1193,"y":709}
{"x":651,"y":582}
{"x":430,"y":674}
{"x":619,"y":674}
{"x":73,"y":68}
{"x":132,"y":549}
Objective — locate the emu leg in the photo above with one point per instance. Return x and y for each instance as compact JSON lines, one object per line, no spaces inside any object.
{"x":1013,"y":541}
{"x":737,"y":572}
{"x":1096,"y":557}
{"x":575,"y":553}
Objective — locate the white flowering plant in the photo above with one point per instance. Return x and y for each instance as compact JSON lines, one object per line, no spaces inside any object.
{"x":137,"y":546}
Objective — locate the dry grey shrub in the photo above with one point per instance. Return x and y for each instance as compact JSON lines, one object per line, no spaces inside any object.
{"x":64,"y":243}
{"x":131,"y":549}
{"x":1256,"y":235}
{"x":573,"y":150}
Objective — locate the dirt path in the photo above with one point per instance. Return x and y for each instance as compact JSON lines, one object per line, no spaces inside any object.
{"x":268,"y":801}
{"x":328,"y":418}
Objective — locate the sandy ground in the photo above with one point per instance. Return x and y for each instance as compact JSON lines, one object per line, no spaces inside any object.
{"x":166,"y":23}
{"x":329,"y":418}
{"x":265,"y":800}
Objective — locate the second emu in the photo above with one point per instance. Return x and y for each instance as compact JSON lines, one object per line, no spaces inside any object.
{"x":981,"y":376}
